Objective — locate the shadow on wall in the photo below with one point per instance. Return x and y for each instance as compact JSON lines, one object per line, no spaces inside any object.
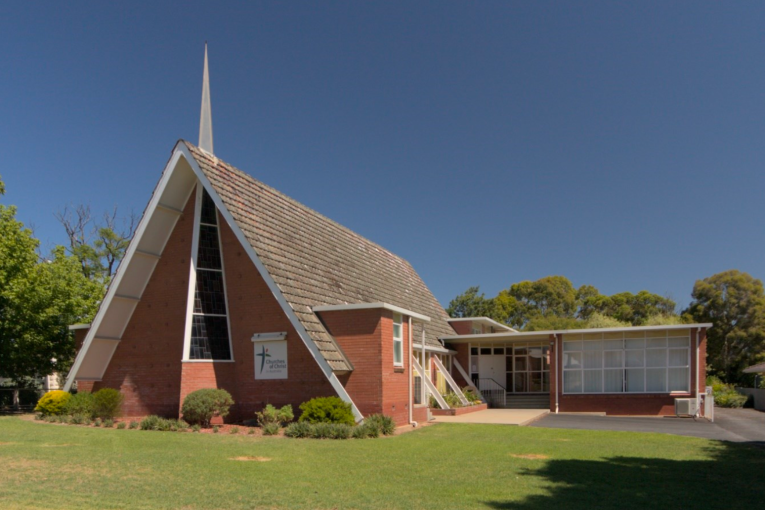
{"x":731,"y":477}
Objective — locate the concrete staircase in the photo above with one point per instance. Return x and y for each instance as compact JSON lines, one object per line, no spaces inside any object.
{"x":534,"y":401}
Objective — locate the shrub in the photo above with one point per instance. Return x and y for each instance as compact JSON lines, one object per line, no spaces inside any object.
{"x":121,"y":425}
{"x":233,"y":430}
{"x":196,"y":428}
{"x":80,"y":403}
{"x":250,"y":432}
{"x":77,"y":419}
{"x":133,"y":424}
{"x":340,"y":431}
{"x":364,"y":431}
{"x":384,"y":424}
{"x":53,"y":403}
{"x":327,"y":410}
{"x":109,"y":423}
{"x":298,"y":429}
{"x":97,"y":422}
{"x":452,"y":399}
{"x":202,"y":405}
{"x":321,"y":430}
{"x":270,"y":415}
{"x":270,"y":429}
{"x":730,"y":399}
{"x":471,"y":395}
{"x":150,"y":422}
{"x":107,"y":403}
{"x":215,"y":429}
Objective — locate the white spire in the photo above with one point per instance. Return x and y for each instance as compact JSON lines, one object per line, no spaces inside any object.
{"x":205,"y":118}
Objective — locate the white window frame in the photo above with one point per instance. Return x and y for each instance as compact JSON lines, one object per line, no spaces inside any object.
{"x":398,"y":339}
{"x":668,"y":336}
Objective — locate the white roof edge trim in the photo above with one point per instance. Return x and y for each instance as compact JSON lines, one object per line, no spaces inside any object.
{"x":121,"y":270}
{"x":75,"y":327}
{"x":500,"y":336}
{"x":482,"y":319}
{"x":181,"y":148}
{"x":431,"y":348}
{"x":365,"y":306}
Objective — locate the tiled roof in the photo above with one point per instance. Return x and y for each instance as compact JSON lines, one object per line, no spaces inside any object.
{"x":316,"y":261}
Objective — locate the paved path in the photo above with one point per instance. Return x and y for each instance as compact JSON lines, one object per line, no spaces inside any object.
{"x":496,"y":416}
{"x":677,"y":426}
{"x":748,"y":424}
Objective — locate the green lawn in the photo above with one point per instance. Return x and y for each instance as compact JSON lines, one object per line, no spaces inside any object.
{"x":442,"y":466}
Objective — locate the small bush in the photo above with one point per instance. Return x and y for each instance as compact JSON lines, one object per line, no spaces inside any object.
{"x":321,"y":430}
{"x":384,"y":424}
{"x":150,"y":422}
{"x":250,"y":432}
{"x":471,"y":395}
{"x":730,"y":399}
{"x":270,"y":415}
{"x":133,"y":424}
{"x":97,"y":422}
{"x":298,"y":429}
{"x":340,"y":431}
{"x":77,"y":419}
{"x":364,"y":431}
{"x":233,"y":430}
{"x":270,"y":429}
{"x":327,"y":410}
{"x":196,"y":427}
{"x":107,"y":403}
{"x":202,"y":405}
{"x":80,"y":403}
{"x":39,"y":417}
{"x":121,"y":425}
{"x":216,"y":429}
{"x":53,"y":403}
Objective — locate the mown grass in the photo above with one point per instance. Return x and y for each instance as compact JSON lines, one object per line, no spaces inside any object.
{"x":442,"y":466}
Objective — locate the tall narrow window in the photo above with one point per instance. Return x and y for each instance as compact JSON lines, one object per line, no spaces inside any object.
{"x":209,"y":327}
{"x":398,"y":341}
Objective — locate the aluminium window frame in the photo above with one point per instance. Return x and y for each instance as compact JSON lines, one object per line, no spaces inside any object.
{"x":399,"y":339}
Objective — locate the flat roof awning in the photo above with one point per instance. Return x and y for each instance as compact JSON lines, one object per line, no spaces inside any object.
{"x":535,"y":335}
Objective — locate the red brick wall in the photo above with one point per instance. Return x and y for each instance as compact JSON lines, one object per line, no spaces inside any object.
{"x":147,"y":365}
{"x":366,"y":337}
{"x":463,"y":356}
{"x":462,"y":327}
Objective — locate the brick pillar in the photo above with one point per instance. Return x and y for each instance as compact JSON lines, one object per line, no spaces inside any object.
{"x":553,"y":371}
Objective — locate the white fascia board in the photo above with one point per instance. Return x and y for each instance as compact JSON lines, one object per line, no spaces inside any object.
{"x":111,"y":292}
{"x":485,"y":320}
{"x":528,"y":334}
{"x":75,"y":327}
{"x":269,"y":337}
{"x":182,"y":149}
{"x":431,"y":348}
{"x":365,"y":306}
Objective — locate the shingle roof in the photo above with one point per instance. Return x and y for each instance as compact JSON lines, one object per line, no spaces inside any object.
{"x":316,"y":261}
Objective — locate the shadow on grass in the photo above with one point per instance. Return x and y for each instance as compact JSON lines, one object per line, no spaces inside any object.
{"x":731,"y":477}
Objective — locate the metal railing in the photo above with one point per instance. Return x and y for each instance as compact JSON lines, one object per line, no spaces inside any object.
{"x":494,"y":393}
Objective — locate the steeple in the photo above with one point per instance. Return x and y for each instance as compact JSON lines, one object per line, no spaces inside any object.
{"x":205,"y":118}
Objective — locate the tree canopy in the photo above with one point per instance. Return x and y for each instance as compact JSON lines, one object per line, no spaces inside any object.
{"x":735,"y":303}
{"x":39,"y":298}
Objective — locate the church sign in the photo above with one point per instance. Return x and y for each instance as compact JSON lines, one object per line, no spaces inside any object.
{"x":270,"y":355}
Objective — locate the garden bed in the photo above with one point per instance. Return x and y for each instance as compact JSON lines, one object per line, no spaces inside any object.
{"x":457,"y":411}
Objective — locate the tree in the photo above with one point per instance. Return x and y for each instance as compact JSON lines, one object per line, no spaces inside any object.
{"x":39,"y":298}
{"x":470,"y":304}
{"x":734,"y":302}
{"x":552,"y":296}
{"x":98,"y":245}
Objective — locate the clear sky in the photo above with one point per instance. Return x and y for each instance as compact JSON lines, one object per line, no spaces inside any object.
{"x":486,"y":142}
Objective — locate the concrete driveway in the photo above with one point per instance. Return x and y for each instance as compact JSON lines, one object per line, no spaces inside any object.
{"x":737,"y":426}
{"x":519,"y":417}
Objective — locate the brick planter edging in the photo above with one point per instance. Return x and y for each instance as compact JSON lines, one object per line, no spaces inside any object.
{"x":456,"y":411}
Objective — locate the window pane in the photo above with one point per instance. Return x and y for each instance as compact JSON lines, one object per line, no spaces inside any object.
{"x":596,"y":345}
{"x":656,"y":358}
{"x":499,"y":350}
{"x":593,"y":359}
{"x":613,"y":344}
{"x":545,"y":358}
{"x":634,"y":358}
{"x":572,"y":381}
{"x":209,"y":338}
{"x":208,"y":254}
{"x":572,"y":346}
{"x":208,"y":294}
{"x":485,"y":351}
{"x":635,"y":380}
{"x":521,"y":383}
{"x":678,"y":379}
{"x":679,"y":342}
{"x":678,"y":357}
{"x":652,"y":343}
{"x":546,"y":381}
{"x":535,"y":359}
{"x":635,"y":343}
{"x":613,"y":381}
{"x":656,"y":379}
{"x":396,"y":330}
{"x":613,"y":359}
{"x":535,"y":381}
{"x":520,"y":351}
{"x":509,"y":382}
{"x":593,"y":381}
{"x":473,"y":364}
{"x":474,"y":351}
{"x":572,"y":360}
{"x":208,"y":209}
{"x":509,"y":364}
{"x":520,"y":363}
{"x":398,"y":352}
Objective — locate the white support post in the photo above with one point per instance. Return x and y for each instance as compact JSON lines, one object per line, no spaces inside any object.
{"x":451,"y":382}
{"x":429,"y":384}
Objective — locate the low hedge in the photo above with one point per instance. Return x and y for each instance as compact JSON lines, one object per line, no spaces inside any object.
{"x":327,"y":410}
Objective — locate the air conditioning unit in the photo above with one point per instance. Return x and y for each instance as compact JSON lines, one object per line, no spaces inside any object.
{"x":685,"y":406}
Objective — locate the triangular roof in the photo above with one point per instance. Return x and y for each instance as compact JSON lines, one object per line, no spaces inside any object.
{"x":316,"y":261}
{"x":306,"y":259}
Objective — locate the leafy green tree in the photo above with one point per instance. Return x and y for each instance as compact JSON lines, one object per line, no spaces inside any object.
{"x":735,"y":303}
{"x":551,"y":296}
{"x":39,"y":298}
{"x":470,"y":304}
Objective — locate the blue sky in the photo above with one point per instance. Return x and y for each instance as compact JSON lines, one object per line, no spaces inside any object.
{"x":486,"y":142}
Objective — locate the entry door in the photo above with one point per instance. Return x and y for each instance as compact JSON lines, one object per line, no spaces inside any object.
{"x":492,"y":367}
